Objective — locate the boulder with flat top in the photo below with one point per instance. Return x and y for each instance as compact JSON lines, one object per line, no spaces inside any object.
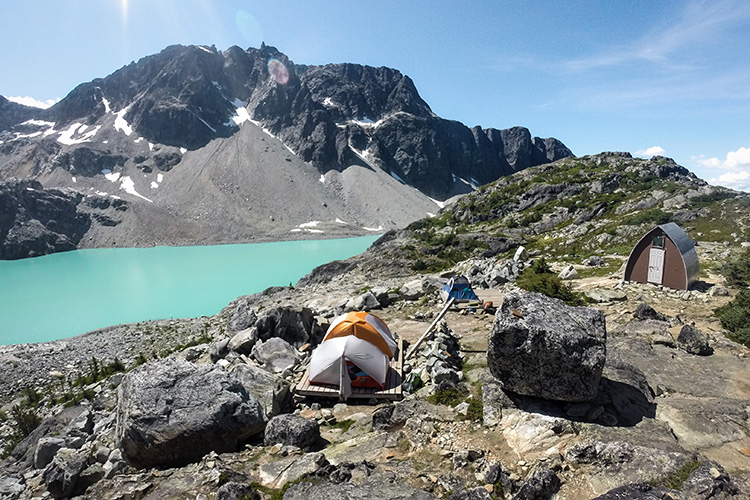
{"x":539,"y":346}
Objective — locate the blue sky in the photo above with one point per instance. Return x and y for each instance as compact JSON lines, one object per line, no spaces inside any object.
{"x":664,"y":77}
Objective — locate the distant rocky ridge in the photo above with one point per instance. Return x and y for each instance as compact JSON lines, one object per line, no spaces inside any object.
{"x":216,"y":146}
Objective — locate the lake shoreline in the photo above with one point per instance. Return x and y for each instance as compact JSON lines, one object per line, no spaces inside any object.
{"x":72,"y":292}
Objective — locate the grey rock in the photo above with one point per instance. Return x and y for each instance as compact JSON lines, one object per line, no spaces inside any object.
{"x":292,"y":324}
{"x":600,"y":295}
{"x":45,"y":451}
{"x":568,"y":273}
{"x":53,"y":426}
{"x":90,"y":476}
{"x":541,"y":347}
{"x":594,"y":261}
{"x":398,"y":413}
{"x":363,"y":302}
{"x":11,"y":486}
{"x":604,"y":454}
{"x":276,"y":354}
{"x":478,"y":493}
{"x":636,"y":491}
{"x":441,"y":373}
{"x":243,"y":316}
{"x":236,"y":491}
{"x":646,"y":312}
{"x":270,"y":390}
{"x":290,"y":429}
{"x":82,"y":425}
{"x":381,"y":294}
{"x":694,"y":341}
{"x":541,"y":484}
{"x":374,"y":487}
{"x":718,"y":291}
{"x":218,"y":350}
{"x":102,"y":454}
{"x":710,"y":480}
{"x":280,"y":472}
{"x":171,"y":413}
{"x":412,"y":290}
{"x":243,"y":341}
{"x":61,"y":475}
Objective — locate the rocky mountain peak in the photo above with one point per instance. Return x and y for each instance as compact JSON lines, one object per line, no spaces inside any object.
{"x":361,"y":140}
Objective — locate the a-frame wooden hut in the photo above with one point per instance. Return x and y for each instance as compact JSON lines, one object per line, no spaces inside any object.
{"x":664,"y":256}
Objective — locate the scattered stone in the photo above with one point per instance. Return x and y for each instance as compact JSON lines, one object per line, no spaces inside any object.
{"x":542,"y":483}
{"x":569,"y":273}
{"x":236,"y":491}
{"x":595,"y":261}
{"x":693,"y":341}
{"x":292,"y":430}
{"x":600,"y":295}
{"x":645,"y":312}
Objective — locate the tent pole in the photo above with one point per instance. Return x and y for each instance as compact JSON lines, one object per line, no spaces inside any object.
{"x":424,"y":335}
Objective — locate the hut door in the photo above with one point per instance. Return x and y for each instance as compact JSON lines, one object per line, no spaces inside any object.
{"x":656,"y":265}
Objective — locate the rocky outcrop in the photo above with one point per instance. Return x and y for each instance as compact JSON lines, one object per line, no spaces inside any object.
{"x":35,"y":221}
{"x":541,"y":347}
{"x":204,"y":409}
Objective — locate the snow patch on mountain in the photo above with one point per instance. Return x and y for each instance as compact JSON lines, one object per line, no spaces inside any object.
{"x":121,"y":124}
{"x":68,"y":138}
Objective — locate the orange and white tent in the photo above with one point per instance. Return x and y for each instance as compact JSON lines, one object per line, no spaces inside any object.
{"x":354,"y":353}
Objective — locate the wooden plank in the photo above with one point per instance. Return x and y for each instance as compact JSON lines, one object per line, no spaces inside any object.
{"x":392,"y":388}
{"x":429,"y":329}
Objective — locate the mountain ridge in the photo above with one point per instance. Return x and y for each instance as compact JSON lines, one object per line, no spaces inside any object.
{"x":355,"y":130}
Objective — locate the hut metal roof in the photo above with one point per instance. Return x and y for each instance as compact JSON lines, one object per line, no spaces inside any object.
{"x":686,"y":247}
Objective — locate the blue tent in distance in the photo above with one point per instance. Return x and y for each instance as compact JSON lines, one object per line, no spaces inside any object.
{"x":459,"y":288}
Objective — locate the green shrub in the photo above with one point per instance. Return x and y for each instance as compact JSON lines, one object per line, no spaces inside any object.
{"x":448,"y":397}
{"x":538,"y":278}
{"x":344,"y":425}
{"x":675,"y":480}
{"x":735,"y":317}
{"x":737,"y":271}
{"x":476,"y":409}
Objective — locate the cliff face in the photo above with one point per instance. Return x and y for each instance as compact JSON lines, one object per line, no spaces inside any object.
{"x":171,"y":126}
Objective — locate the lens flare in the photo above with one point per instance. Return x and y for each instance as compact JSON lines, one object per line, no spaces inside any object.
{"x":278,"y":71}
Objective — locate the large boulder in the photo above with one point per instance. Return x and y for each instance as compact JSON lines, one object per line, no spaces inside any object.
{"x":171,"y":413}
{"x":541,"y":347}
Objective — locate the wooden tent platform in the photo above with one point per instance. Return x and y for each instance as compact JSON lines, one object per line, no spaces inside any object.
{"x":392,"y":390}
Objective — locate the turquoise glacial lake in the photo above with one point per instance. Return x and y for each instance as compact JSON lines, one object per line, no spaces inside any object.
{"x":66,"y":294}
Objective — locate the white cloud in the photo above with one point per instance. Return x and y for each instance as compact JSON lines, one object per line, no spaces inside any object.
{"x":652,"y":151}
{"x":733,"y":180}
{"x":738,"y":165}
{"x":736,"y":160}
{"x":34,"y":103}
